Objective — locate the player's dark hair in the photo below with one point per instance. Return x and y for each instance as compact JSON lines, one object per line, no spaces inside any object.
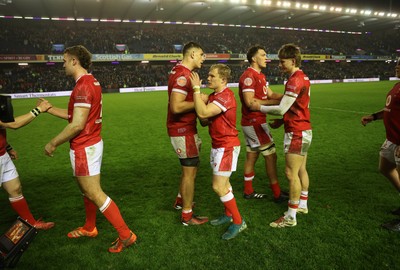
{"x":252,"y":51}
{"x":223,"y":71}
{"x":290,"y":50}
{"x":83,"y":55}
{"x":189,"y":46}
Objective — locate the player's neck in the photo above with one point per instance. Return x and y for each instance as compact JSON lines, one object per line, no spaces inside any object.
{"x":293,"y":70}
{"x":256,"y":67}
{"x":220,"y":88}
{"x":187,"y":64}
{"x":79,"y":73}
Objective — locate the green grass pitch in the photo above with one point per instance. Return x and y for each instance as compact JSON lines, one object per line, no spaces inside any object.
{"x":348,"y":198}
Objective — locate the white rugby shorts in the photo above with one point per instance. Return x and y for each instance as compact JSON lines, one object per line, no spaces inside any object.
{"x":87,"y":161}
{"x":387,"y":151}
{"x":223,"y":161}
{"x":7,"y":169}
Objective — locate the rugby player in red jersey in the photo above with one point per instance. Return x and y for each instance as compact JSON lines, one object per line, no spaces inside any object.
{"x":253,"y":85}
{"x":294,"y":106}
{"x":182,"y":129}
{"x":389,"y":161}
{"x":219,"y":112}
{"x":84,"y":116}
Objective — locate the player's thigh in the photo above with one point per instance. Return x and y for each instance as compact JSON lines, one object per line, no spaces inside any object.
{"x":223,"y":161}
{"x":186,"y":146}
{"x":87,"y":161}
{"x":8,"y":171}
{"x":297,"y":142}
{"x":257,"y":135}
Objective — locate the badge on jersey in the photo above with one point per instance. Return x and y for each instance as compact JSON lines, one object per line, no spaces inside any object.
{"x":248,"y":81}
{"x":181,"y":81}
{"x":388,"y":100}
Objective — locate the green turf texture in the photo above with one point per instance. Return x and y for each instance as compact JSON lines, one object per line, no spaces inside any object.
{"x":348,"y":200}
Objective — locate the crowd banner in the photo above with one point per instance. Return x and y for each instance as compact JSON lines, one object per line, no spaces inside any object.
{"x":315,"y":57}
{"x":361,"y":80}
{"x":41,"y":94}
{"x":162,"y":56}
{"x":42,"y":58}
{"x":165,"y":88}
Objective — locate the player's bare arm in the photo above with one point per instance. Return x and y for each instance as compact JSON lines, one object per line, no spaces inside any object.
{"x":276,"y":123}
{"x":204,"y":122}
{"x":61,"y":113}
{"x":178,"y":103}
{"x":369,"y":118}
{"x":25,"y":119}
{"x":273,"y":95}
{"x":79,"y":119}
{"x":248,"y":98}
{"x":203,"y":110}
{"x":11,"y":152}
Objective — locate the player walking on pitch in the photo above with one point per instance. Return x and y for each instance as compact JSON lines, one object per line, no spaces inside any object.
{"x":84,"y":115}
{"x":389,"y":160}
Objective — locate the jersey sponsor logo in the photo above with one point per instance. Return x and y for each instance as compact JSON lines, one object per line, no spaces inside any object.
{"x":181,"y":130}
{"x":248,"y":81}
{"x":181,"y":81}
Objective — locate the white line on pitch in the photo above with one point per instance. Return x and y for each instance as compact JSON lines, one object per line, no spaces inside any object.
{"x":338,"y":110}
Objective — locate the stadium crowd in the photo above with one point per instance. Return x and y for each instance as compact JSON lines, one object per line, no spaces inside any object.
{"x":18,"y":37}
{"x":43,"y":78}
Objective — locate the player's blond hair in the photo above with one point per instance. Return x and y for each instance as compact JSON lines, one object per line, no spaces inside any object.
{"x":223,"y":71}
